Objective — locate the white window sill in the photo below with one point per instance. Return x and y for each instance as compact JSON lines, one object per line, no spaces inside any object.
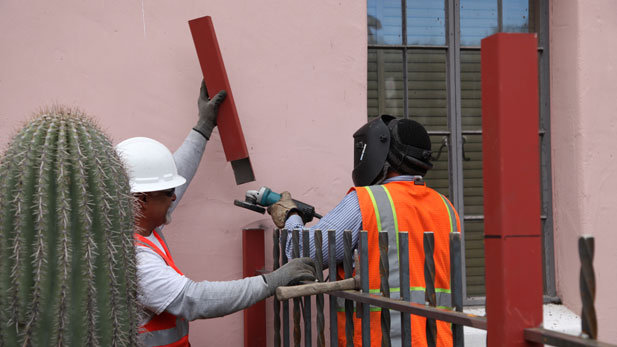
{"x":556,"y":317}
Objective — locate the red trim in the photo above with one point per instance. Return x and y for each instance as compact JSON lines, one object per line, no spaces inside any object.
{"x":166,"y":257}
{"x":164,"y":244}
{"x":163,"y":321}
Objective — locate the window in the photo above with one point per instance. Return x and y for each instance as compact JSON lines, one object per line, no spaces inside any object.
{"x":424,"y":64}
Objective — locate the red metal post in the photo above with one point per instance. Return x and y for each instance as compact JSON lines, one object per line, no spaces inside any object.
{"x":215,"y":76}
{"x":511,"y":169}
{"x":253,"y":260}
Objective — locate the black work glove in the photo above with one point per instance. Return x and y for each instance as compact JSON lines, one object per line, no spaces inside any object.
{"x":208,"y":110}
{"x":299,"y":269}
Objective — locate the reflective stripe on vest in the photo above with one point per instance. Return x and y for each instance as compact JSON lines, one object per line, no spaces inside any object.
{"x":454,"y":226}
{"x":164,"y":329}
{"x":418,"y":209}
{"x":144,"y":242}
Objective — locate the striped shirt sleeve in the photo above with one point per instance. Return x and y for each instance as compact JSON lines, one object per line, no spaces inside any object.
{"x":345,"y":216}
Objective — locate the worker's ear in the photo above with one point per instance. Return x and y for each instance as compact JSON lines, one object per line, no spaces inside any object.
{"x":141,"y":198}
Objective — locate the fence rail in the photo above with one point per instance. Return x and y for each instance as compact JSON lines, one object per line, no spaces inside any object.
{"x":454,"y":317}
{"x":555,"y":338}
{"x":362,"y":300}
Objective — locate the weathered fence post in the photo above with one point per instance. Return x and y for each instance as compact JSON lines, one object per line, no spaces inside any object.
{"x":384,"y":273}
{"x":332,"y":276}
{"x":366,"y":308}
{"x":295,"y":239}
{"x":588,"y":287}
{"x":277,"y":309}
{"x":403,"y":242}
{"x":321,"y":341}
{"x":511,"y":172}
{"x":456,"y":286}
{"x":349,"y":305}
{"x":306,"y":252}
{"x":284,"y":237}
{"x":429,"y":281}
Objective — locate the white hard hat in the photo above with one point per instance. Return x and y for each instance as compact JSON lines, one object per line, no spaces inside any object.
{"x":150,"y":165}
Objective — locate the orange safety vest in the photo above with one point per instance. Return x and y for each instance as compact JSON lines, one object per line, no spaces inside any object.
{"x":164,"y":329}
{"x":415,"y":208}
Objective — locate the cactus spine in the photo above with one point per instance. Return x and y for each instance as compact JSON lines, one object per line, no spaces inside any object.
{"x":67,"y":261}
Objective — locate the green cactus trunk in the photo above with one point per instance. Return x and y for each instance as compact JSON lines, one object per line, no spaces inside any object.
{"x":67,"y":260}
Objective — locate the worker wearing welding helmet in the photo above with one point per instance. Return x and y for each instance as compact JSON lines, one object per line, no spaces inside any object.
{"x":158,"y":180}
{"x":391,"y":157}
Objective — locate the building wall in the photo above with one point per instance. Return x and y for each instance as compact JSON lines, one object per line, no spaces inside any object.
{"x":583,"y":126}
{"x":298,"y":73}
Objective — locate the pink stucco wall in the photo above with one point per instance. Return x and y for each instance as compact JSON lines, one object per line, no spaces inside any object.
{"x":583,"y":127}
{"x":297,"y":69}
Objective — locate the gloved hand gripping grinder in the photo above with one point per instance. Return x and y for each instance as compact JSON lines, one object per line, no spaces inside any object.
{"x":256,"y":200}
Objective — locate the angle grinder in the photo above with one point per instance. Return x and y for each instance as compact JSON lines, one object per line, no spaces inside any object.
{"x":257,"y":200}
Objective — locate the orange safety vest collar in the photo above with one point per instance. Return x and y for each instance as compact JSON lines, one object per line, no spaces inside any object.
{"x":164,"y":329}
{"x":415,"y":208}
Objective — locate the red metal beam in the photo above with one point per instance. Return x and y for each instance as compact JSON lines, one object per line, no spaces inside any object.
{"x":215,"y":76}
{"x":253,"y":260}
{"x":511,"y":169}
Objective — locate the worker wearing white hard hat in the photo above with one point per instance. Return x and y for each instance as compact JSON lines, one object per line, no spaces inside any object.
{"x":158,"y":180}
{"x":152,"y":165}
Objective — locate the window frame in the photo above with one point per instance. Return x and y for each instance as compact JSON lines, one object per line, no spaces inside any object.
{"x":455,"y":131}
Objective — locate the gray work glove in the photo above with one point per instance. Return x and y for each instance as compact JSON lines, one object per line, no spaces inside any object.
{"x":280,"y":210}
{"x":208,"y":110}
{"x":299,"y":269}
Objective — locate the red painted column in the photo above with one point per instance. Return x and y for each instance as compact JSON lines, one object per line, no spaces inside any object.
{"x":511,"y":168}
{"x":253,"y":260}
{"x":215,"y":77}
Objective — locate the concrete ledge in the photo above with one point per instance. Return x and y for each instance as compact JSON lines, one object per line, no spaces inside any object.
{"x":555,"y":317}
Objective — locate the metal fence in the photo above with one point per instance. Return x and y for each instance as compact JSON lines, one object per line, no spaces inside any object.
{"x":361,"y":299}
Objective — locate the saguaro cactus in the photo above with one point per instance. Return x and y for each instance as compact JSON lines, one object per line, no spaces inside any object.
{"x":67,"y":261}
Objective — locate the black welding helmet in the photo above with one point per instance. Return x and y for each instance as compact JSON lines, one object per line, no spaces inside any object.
{"x":371,"y":146}
{"x":403,"y":143}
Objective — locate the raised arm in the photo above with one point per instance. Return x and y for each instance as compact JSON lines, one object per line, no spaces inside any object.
{"x":189,"y":154}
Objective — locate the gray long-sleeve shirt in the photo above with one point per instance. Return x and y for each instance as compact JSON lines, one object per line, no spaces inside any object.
{"x":163,"y":289}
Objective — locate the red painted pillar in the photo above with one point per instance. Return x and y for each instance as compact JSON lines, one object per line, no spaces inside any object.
{"x":511,"y":168}
{"x":215,"y":76}
{"x":253,"y":260}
